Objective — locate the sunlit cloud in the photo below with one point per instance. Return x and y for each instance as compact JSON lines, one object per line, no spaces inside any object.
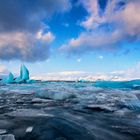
{"x":23,"y":34}
{"x":106,"y":30}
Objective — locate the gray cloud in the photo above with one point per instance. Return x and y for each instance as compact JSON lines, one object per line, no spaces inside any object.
{"x":22,"y":29}
{"x":25,"y":46}
{"x":27,"y":14}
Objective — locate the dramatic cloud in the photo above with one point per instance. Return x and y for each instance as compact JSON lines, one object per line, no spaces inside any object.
{"x":26,"y":15}
{"x":23,"y":35}
{"x":107,"y":27}
{"x":24,"y":46}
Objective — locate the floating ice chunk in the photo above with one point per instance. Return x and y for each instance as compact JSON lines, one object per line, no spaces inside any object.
{"x":97,"y":107}
{"x":29,"y":129}
{"x":9,"y":79}
{"x":55,"y":95}
{"x":30,"y":81}
{"x":28,"y":113}
{"x":7,"y":137}
{"x":24,"y":75}
{"x":2,"y":131}
{"x":133,"y":105}
{"x":38,"y":100}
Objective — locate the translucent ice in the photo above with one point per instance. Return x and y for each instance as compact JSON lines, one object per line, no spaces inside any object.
{"x":9,"y":79}
{"x":24,"y":74}
{"x":134,"y":84}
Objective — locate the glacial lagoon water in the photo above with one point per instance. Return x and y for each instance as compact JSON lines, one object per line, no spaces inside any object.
{"x":101,"y":110}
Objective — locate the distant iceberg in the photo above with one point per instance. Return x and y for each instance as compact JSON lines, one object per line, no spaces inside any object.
{"x":23,"y":78}
{"x":133,"y":84}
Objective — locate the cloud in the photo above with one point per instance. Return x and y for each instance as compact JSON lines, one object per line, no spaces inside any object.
{"x":79,"y":60}
{"x":100,"y":57}
{"x":3,"y":70}
{"x":23,"y":34}
{"x":107,"y":29}
{"x":48,"y":37}
{"x":119,"y":75}
{"x":24,"y":46}
{"x":64,"y":75}
{"x":133,"y":72}
{"x":28,"y":14}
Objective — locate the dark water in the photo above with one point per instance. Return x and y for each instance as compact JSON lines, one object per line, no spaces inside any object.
{"x":70,"y":111}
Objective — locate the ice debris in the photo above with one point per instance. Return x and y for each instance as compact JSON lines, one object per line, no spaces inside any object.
{"x":133,"y":105}
{"x":2,"y":131}
{"x":29,"y":129}
{"x":7,"y":137}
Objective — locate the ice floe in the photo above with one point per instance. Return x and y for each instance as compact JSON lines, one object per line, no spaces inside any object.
{"x":7,"y":137}
{"x":55,"y":95}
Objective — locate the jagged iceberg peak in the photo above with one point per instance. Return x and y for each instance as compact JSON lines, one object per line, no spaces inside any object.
{"x":24,"y":74}
{"x":23,"y":78}
{"x":9,"y":79}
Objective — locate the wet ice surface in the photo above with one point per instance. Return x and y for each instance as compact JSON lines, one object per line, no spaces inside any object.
{"x":68,"y":111}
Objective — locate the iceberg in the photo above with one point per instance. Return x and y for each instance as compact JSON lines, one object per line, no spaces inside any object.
{"x":9,"y":79}
{"x":133,"y":84}
{"x":24,"y":75}
{"x":23,"y":78}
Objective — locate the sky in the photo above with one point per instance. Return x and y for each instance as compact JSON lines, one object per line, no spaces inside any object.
{"x":58,"y":39}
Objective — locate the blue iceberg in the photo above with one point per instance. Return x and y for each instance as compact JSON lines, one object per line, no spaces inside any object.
{"x":24,"y":75}
{"x":9,"y":79}
{"x":133,"y":84}
{"x":23,"y":78}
